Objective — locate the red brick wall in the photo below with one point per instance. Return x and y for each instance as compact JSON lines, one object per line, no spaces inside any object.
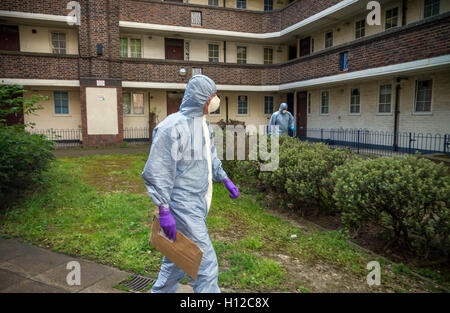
{"x":56,"y":7}
{"x":38,"y":66}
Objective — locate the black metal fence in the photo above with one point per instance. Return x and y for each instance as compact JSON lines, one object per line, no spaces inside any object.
{"x":136,"y":135}
{"x":379,"y":142}
{"x":63,"y":138}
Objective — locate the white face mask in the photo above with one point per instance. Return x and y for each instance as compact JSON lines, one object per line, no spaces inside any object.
{"x":284,"y":111}
{"x":214,"y":104}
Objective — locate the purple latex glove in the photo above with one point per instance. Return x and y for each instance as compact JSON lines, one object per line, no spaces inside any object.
{"x":167,"y":223}
{"x":234,"y":191}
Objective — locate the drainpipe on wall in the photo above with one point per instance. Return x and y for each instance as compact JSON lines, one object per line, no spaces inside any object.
{"x":396,"y":113}
{"x":224,"y":51}
{"x":226,"y":108}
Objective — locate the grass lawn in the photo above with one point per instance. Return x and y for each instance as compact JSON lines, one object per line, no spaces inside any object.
{"x":97,"y":207}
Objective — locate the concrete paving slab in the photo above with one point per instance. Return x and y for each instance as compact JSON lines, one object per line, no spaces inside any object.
{"x":31,"y":286}
{"x":8,"y":279}
{"x":106,"y":285}
{"x":90,"y":274}
{"x":10,"y":248}
{"x":34,"y":261}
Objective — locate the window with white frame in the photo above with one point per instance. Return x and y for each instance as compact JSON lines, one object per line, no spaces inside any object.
{"x":268,"y":56}
{"x":213,"y":2}
{"x":355,"y":101}
{"x":213,"y":52}
{"x":196,"y":18}
{"x":385,"y":99}
{"x":61,"y":102}
{"x":130,"y":47}
{"x":241,"y":4}
{"x":242,"y":105}
{"x":58,"y":43}
{"x":268,"y":104}
{"x":268,"y":5}
{"x":325,"y":102}
{"x":308,"y":105}
{"x":430,"y":8}
{"x":196,"y":70}
{"x":391,"y":18}
{"x":360,"y":29}
{"x":241,"y":55}
{"x":187,"y":48}
{"x":424,"y":96}
{"x":328,"y":39}
{"x":133,"y":103}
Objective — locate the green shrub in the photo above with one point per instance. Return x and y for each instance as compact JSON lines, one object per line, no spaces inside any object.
{"x":408,"y":196}
{"x":23,"y":156}
{"x":304,"y":173}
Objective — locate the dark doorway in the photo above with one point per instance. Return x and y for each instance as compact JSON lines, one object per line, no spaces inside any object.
{"x":305,"y":46}
{"x":174,"y":49}
{"x":292,"y":52}
{"x":9,"y":38}
{"x":301,"y":118}
{"x":174,"y":99}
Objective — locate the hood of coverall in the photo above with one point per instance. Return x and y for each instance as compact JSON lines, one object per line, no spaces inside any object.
{"x":198,"y":90}
{"x":283,"y":106}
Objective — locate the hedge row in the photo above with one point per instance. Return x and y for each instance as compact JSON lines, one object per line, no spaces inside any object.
{"x":408,"y":196}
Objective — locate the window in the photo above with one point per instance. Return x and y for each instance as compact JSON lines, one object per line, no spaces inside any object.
{"x":268,"y":55}
{"x":391,"y":18}
{"x":130,"y":47}
{"x":241,"y":55}
{"x":424,"y":93}
{"x":133,"y":103}
{"x":430,"y":8}
{"x":241,"y":4}
{"x":59,"y":43}
{"x":385,"y":99}
{"x":123,"y":47}
{"x":355,"y":104}
{"x":9,"y":38}
{"x":213,"y":53}
{"x":343,"y":61}
{"x":126,"y":106}
{"x":268,"y":104}
{"x":268,"y":5}
{"x":196,"y":70}
{"x":325,"y":102}
{"x":186,"y":50}
{"x":61,"y":101}
{"x":135,"y":48}
{"x":196,"y":18}
{"x":328,"y":39}
{"x":138,"y":103}
{"x":308,"y":105}
{"x":213,"y":2}
{"x":242,"y":105}
{"x":360,"y":29}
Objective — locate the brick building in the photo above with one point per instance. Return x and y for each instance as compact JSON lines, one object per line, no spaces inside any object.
{"x":127,"y":58}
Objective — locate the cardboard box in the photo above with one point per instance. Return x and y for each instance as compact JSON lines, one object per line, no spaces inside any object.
{"x":183,"y":252}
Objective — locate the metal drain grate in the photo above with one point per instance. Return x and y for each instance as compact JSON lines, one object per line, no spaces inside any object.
{"x":138,"y":283}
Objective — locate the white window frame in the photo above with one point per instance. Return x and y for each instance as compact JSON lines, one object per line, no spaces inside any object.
{"x":264,"y":107}
{"x":51,"y":41}
{"x":237,"y":106}
{"x":398,"y":16}
{"x":329,"y":102}
{"x":241,"y":8}
{"x":214,"y":5}
{"x":422,"y":8}
{"x":246,"y":54}
{"x":264,"y":55}
{"x":131,"y":103}
{"x":378,"y":97}
{"x":129,"y":37}
{"x":218,"y":51}
{"x":195,"y":17}
{"x":68,"y":103}
{"x":354,"y":28}
{"x":350,"y":101}
{"x":433,"y":81}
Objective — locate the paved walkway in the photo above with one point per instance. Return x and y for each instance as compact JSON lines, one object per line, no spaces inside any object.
{"x":27,"y":268}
